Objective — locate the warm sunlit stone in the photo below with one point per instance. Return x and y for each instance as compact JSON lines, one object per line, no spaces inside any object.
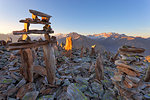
{"x":26,"y":26}
{"x":44,"y":19}
{"x":93,"y":46}
{"x":147,"y":58}
{"x":34,"y":16}
{"x":61,"y":45}
{"x":68,"y":45}
{"x":24,"y":36}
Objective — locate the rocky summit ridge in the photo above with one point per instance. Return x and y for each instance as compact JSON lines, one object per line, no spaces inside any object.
{"x":111,"y":41}
{"x":76,"y":77}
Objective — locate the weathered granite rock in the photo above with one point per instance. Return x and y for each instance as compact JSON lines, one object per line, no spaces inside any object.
{"x":74,"y":93}
{"x":58,"y":81}
{"x":30,"y":95}
{"x":131,"y":49}
{"x":24,"y":89}
{"x":108,"y":96}
{"x":47,"y":97}
{"x":77,"y":60}
{"x":91,"y":95}
{"x":7,"y":81}
{"x":133,"y":79}
{"x":97,"y":88}
{"x":128,"y":71}
{"x":81,"y":80}
{"x":66,"y":82}
{"x":81,"y":87}
{"x":138,"y":96}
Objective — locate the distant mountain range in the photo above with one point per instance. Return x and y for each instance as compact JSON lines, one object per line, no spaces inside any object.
{"x":108,"y":41}
{"x":112,"y":41}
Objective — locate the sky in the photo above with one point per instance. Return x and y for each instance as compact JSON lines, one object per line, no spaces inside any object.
{"x":130,"y":17}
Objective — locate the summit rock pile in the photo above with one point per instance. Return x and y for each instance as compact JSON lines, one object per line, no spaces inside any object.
{"x":75,"y":78}
{"x":131,"y":70}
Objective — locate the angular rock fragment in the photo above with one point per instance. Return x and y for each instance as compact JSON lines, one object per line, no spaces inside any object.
{"x":6,"y":81}
{"x":24,"y":89}
{"x":117,"y":77}
{"x":131,"y":49}
{"x":46,"y":91}
{"x":40,"y":70}
{"x":13,"y":90}
{"x":46,"y":97}
{"x":81,"y":80}
{"x":128,"y":71}
{"x":128,"y":83}
{"x":74,"y":93}
{"x":133,"y":79}
{"x":30,"y":95}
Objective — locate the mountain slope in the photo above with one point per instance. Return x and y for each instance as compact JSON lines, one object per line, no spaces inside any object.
{"x":112,"y":41}
{"x":81,"y":40}
{"x":108,"y":41}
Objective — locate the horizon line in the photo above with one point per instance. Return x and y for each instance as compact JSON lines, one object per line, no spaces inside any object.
{"x":87,"y":34}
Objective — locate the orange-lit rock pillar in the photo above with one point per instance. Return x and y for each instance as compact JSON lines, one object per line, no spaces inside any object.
{"x":26,"y":29}
{"x":68,"y":46}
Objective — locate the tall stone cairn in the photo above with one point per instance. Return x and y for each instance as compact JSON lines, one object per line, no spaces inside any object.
{"x":130,"y":72}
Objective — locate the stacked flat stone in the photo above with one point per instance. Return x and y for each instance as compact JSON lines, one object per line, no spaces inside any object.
{"x":27,"y":46}
{"x":130,"y":68}
{"x":35,"y":20}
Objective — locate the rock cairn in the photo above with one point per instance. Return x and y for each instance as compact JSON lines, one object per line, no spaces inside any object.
{"x":25,"y":45}
{"x":131,"y":69}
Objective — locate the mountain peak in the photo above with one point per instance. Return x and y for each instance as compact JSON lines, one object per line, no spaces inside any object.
{"x":107,"y":35}
{"x":74,"y":35}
